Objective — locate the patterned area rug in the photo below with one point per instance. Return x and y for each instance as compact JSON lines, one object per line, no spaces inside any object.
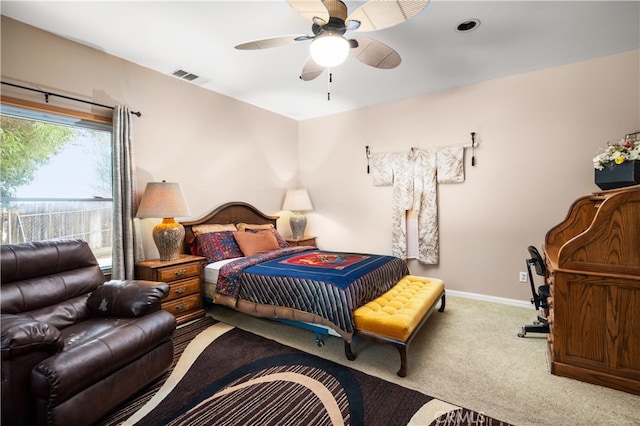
{"x":227,"y":376}
{"x":181,"y":338}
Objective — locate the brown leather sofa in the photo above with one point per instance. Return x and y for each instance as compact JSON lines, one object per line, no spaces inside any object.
{"x":74,"y":346}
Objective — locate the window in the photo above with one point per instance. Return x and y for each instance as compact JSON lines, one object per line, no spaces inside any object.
{"x":56,"y":178}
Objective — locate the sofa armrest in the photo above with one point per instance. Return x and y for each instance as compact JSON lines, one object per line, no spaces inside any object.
{"x":23,"y":335}
{"x":127,"y":298}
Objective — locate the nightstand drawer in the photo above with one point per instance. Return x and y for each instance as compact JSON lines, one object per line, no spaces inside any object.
{"x":183,"y":288}
{"x":185,"y":304}
{"x":185,"y":284}
{"x":178,"y":272}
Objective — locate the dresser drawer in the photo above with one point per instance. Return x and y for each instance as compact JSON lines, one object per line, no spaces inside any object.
{"x":183,"y":305}
{"x":178,"y":272}
{"x":183,"y":288}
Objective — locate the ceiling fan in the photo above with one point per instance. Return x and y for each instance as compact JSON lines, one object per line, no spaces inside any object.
{"x":330,"y":22}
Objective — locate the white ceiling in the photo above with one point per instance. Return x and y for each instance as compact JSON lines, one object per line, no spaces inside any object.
{"x":513,"y":37}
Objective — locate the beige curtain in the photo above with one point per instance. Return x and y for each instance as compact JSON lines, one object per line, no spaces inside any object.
{"x":127,"y":244}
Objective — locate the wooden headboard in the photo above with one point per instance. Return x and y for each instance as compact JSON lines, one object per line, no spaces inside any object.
{"x":233,"y":212}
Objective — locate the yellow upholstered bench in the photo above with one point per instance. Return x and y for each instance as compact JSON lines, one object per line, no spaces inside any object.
{"x":396,"y":316}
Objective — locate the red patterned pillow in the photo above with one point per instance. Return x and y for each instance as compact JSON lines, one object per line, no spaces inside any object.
{"x":281,"y":241}
{"x":217,"y":246}
{"x":193,"y":247}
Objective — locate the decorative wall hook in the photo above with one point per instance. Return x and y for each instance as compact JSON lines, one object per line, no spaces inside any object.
{"x":473,"y":148}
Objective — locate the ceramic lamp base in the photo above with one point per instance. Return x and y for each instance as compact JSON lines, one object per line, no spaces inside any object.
{"x":298,"y":224}
{"x":168,"y":237}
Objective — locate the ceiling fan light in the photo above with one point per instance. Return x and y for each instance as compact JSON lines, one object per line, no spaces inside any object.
{"x":329,"y":50}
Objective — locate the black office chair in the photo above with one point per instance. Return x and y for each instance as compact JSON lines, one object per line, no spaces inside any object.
{"x":539,"y":298}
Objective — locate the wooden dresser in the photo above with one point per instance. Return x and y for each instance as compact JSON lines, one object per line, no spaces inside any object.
{"x":184,"y":275}
{"x":593,"y":268}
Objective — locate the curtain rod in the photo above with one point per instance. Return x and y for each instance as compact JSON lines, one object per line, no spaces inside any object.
{"x":47,"y":94}
{"x":473,"y":145}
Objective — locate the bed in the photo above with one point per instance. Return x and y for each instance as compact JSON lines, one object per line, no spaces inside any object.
{"x":302,"y":285}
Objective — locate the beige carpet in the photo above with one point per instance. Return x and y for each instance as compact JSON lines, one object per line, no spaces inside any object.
{"x":470,"y":355}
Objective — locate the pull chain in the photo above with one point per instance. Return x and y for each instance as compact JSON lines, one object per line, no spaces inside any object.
{"x":329,"y":86}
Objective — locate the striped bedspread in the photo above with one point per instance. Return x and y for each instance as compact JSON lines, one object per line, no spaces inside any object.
{"x":327,"y":284}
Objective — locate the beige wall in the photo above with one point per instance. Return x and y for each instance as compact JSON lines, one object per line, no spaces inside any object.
{"x":537,"y":135}
{"x":217,"y":148}
{"x":537,"y":132}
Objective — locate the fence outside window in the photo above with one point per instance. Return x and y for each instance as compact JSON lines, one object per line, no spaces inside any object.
{"x":25,"y":220}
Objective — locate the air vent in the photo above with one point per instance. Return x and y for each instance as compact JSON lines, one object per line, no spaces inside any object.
{"x":185,"y":75}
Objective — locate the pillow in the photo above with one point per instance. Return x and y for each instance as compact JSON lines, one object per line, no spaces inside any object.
{"x":281,"y":241}
{"x":260,"y":242}
{"x":212,"y":227}
{"x":193,"y":247}
{"x":245,"y":226}
{"x":122,"y":298}
{"x":217,"y":246}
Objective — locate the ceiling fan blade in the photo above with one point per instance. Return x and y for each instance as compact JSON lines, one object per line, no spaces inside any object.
{"x":310,"y":70}
{"x":310,"y":9}
{"x":380,"y":14}
{"x":375,"y":54}
{"x":267,"y":43}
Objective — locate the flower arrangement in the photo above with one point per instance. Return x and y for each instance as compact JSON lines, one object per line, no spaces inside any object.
{"x":617,"y":152}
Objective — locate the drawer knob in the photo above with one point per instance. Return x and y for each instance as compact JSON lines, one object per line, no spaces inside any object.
{"x":180,"y":290}
{"x":181,"y":307}
{"x":181,"y":272}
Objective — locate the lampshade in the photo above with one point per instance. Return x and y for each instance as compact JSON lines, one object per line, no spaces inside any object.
{"x":165,"y":200}
{"x":329,"y":50}
{"x":297,"y":200}
{"x":162,"y":199}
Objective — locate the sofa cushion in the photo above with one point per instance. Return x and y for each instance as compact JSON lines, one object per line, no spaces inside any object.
{"x":49,"y":280}
{"x":119,"y":298}
{"x":94,"y":349}
{"x":42,"y":258}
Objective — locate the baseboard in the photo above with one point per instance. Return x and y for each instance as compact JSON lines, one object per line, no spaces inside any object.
{"x":494,"y":299}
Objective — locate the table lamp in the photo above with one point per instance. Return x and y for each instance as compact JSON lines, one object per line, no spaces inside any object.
{"x":165,"y":200}
{"x":297,"y":201}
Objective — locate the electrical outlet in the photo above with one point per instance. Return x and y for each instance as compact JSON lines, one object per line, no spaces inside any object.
{"x":523,"y":277}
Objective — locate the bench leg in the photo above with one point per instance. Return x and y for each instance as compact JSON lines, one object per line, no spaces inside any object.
{"x":347,"y":351}
{"x":442,"y":303}
{"x":403,"y":359}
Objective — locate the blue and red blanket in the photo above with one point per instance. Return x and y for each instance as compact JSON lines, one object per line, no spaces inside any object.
{"x":328,"y":284}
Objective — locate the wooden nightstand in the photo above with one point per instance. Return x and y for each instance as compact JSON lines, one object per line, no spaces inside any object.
{"x":184,"y":276}
{"x":304,"y":241}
